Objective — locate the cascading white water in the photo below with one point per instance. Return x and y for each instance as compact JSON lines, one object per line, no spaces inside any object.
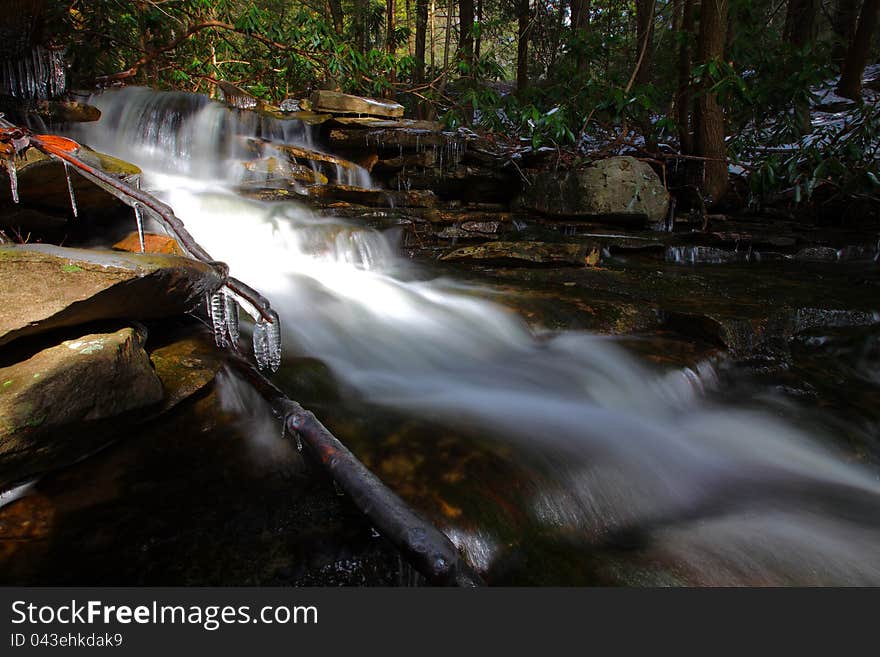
{"x":627,"y":444}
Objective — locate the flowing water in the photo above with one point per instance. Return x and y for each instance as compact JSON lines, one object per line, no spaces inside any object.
{"x":728,"y":494}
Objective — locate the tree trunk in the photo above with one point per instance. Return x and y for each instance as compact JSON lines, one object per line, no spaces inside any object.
{"x":850,"y":85}
{"x":644,"y":42}
{"x":336,"y":15}
{"x":479,"y":38}
{"x":524,"y":19}
{"x":580,"y":23}
{"x":800,"y":32}
{"x":390,"y":40}
{"x":359,"y":24}
{"x":431,"y":15}
{"x":709,"y":117}
{"x":684,"y":100}
{"x":421,"y":33}
{"x":844,"y":25}
{"x":465,"y":30}
{"x":450,"y":9}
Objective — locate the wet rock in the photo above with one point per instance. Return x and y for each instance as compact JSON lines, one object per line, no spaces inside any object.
{"x":42,"y":185}
{"x":339,"y":103}
{"x":528,"y":253}
{"x":153,"y":243}
{"x":375,"y":197}
{"x":271,"y":171}
{"x":618,"y":187}
{"x":387,"y":139}
{"x":56,"y":111}
{"x":47,"y":287}
{"x":42,"y":399}
{"x":466,"y":182}
{"x":185,"y":366}
{"x":811,"y":318}
{"x":817,"y":254}
{"x":368,"y":122}
{"x":236,"y":96}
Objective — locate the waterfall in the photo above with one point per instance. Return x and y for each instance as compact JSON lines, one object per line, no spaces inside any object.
{"x":188,"y":134}
{"x":624,"y":442}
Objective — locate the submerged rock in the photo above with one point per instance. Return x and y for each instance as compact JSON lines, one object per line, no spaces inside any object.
{"x":47,"y":287}
{"x":618,"y":187}
{"x":186,"y":364}
{"x":336,"y":102}
{"x":42,"y":399}
{"x":153,"y":243}
{"x":375,"y":197}
{"x":534,"y":253}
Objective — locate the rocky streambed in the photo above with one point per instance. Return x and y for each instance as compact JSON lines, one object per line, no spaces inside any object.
{"x":129,"y":453}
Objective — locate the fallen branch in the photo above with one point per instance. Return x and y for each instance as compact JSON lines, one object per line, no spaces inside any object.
{"x":424,"y":546}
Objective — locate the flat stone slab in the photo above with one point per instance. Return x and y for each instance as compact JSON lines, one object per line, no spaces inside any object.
{"x":46,"y":287}
{"x":336,"y":102}
{"x":528,"y":253}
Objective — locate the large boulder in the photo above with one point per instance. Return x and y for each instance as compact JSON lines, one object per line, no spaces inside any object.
{"x":618,"y":187}
{"x":47,"y":400}
{"x":47,"y":287}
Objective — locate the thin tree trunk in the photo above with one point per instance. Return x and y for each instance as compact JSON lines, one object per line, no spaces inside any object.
{"x":421,"y":29}
{"x":800,"y":33}
{"x":850,"y":85}
{"x":359,"y":22}
{"x":709,"y":117}
{"x":644,"y":41}
{"x":478,"y":40}
{"x":390,"y":40}
{"x":450,"y":9}
{"x":336,"y":15}
{"x":522,"y":45}
{"x":684,"y":101}
{"x":465,"y":30}
{"x":844,"y":23}
{"x":431,"y":16}
{"x":580,"y":23}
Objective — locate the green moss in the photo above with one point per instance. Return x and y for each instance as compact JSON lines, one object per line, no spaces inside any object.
{"x":70,"y":269}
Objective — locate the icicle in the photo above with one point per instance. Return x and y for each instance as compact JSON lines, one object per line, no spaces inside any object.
{"x":261,"y":344}
{"x":232,"y":321}
{"x":139,"y":219}
{"x":267,"y":343}
{"x":73,"y":208}
{"x":217,"y":313}
{"x":13,"y":178}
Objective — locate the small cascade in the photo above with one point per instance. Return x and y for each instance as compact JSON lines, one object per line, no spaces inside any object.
{"x":41,"y":75}
{"x":186,"y":134}
{"x":703,"y":255}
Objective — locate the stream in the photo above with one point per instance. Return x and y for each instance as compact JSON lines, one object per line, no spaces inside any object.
{"x":548,"y":456}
